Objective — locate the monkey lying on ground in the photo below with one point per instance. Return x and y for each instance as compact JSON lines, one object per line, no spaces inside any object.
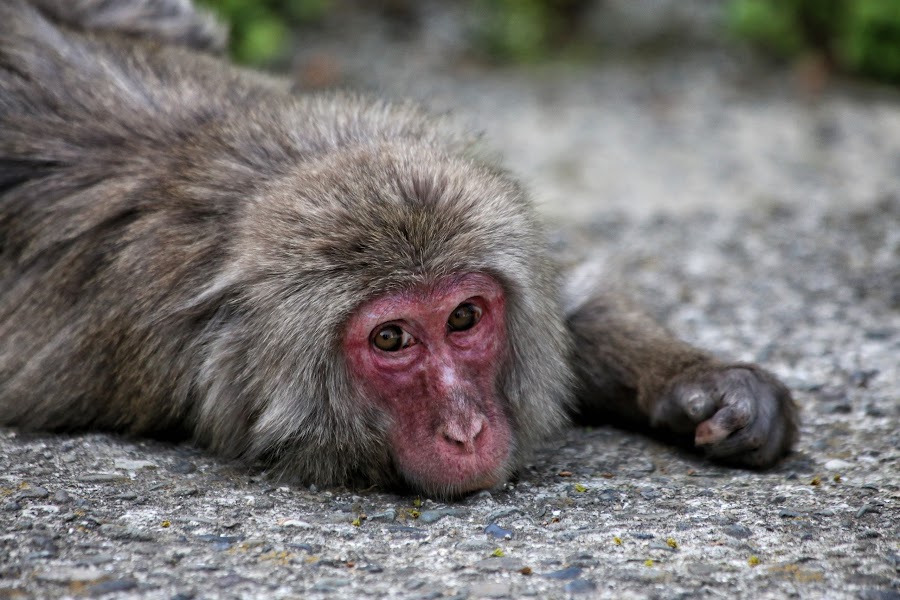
{"x":336,"y":285}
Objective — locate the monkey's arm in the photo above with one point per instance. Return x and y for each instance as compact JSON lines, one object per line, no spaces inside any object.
{"x":629,"y":368}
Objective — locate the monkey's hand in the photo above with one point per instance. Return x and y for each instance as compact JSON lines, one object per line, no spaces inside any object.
{"x":738,"y":413}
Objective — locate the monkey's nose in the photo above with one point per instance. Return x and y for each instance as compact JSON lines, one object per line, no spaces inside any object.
{"x":462,"y":434}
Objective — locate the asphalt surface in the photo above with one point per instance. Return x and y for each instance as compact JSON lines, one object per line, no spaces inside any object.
{"x":755,"y":217}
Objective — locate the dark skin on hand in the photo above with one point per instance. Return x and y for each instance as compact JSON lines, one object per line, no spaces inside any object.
{"x":331,"y":284}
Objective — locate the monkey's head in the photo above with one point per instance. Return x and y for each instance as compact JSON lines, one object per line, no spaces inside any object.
{"x":399,"y":319}
{"x":431,"y":357}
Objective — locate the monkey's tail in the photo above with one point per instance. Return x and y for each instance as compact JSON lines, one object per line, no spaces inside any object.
{"x":176,"y":22}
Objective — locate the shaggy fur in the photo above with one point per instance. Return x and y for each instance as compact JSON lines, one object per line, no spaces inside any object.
{"x":182,"y":242}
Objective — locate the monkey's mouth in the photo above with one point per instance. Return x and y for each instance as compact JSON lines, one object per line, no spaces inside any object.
{"x":446,"y":469}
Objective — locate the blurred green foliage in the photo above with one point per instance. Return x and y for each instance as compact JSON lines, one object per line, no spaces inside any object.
{"x":525,"y":30}
{"x":260,"y":29}
{"x":857,"y":36}
{"x":506,"y":30}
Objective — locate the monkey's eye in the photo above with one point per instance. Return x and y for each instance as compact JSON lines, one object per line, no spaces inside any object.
{"x":465,"y":316}
{"x":391,"y":338}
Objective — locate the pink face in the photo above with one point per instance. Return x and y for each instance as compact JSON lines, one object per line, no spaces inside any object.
{"x":431,"y":356}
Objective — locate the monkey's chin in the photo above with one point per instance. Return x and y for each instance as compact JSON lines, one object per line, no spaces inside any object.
{"x":447,"y":490}
{"x":446,"y":470}
{"x":448,"y":482}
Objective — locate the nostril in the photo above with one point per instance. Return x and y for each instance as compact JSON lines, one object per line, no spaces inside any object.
{"x":463,"y":435}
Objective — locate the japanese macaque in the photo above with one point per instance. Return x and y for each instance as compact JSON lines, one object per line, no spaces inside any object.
{"x":335,"y":285}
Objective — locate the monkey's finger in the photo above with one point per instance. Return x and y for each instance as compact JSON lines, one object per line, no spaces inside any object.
{"x":697,"y":403}
{"x":758,"y":444}
{"x":738,"y":412}
{"x":685,"y":405}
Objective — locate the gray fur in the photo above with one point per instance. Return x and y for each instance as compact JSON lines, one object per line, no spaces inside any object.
{"x":183,"y":241}
{"x":171,"y":21}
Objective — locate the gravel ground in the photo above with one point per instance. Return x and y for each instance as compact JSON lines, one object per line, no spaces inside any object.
{"x":753,"y":219}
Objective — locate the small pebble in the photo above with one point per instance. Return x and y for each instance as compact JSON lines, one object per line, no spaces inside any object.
{"x":182,"y":467}
{"x":432,"y":516}
{"x":119,"y":532}
{"x":331,"y":584}
{"x":220,"y":542}
{"x":648,"y":493}
{"x":35,"y":491}
{"x":836,"y":464}
{"x":296,"y":523}
{"x":495,"y":564}
{"x":112,"y":585}
{"x":94,"y":560}
{"x":70,"y":574}
{"x":580,"y":586}
{"x":608,"y":495}
{"x":738,"y":531}
{"x":568,"y":573}
{"x":582,"y":559}
{"x":389,"y":516}
{"x":498,"y":532}
{"x":133,"y":465}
